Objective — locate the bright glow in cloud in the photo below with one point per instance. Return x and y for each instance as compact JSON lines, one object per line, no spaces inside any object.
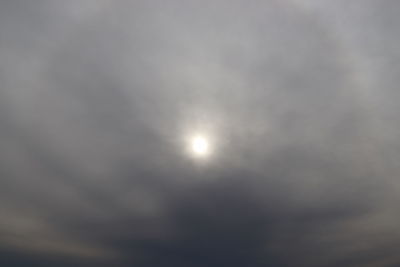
{"x":199,"y":146}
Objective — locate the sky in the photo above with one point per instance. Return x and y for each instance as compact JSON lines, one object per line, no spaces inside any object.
{"x":295,"y":104}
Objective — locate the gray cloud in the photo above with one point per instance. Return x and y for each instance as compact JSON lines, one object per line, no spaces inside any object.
{"x":299,"y":98}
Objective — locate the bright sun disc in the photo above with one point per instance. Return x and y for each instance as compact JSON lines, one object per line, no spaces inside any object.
{"x":200,"y":146}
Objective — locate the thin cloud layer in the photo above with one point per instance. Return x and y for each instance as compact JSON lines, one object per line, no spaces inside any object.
{"x":298,"y":98}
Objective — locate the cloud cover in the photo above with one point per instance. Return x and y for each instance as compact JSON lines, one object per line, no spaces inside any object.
{"x":300,"y":97}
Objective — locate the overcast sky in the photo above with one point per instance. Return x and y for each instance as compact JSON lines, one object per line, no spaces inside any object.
{"x":298,"y":101}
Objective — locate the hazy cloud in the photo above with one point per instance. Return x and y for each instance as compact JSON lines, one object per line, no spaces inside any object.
{"x":299,"y":98}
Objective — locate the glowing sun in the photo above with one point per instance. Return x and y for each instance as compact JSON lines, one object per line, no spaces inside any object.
{"x":199,"y":146}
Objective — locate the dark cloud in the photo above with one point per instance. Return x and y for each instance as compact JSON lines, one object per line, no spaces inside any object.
{"x":298,"y":97}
